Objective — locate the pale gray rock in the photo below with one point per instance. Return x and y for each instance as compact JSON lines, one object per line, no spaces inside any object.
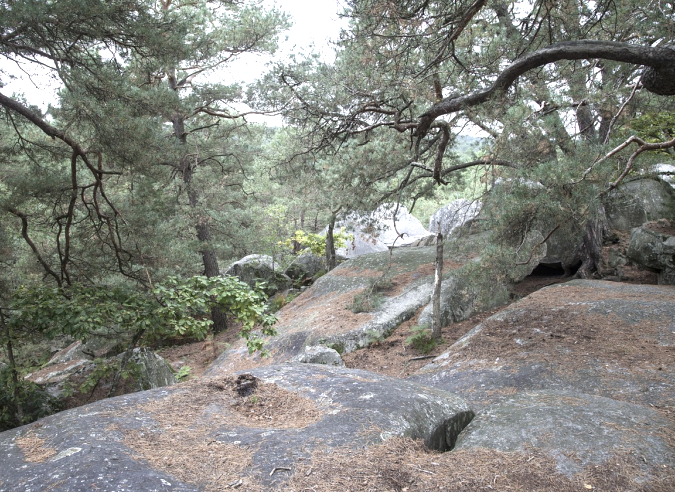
{"x":453,"y":216}
{"x":636,"y":202}
{"x":655,"y":251}
{"x":318,"y":354}
{"x":378,"y":231}
{"x":95,"y":443}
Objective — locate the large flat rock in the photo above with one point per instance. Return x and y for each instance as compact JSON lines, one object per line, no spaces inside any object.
{"x":576,"y":430}
{"x":217,"y":433}
{"x":601,"y":338}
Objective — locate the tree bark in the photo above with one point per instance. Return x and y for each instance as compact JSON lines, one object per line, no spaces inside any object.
{"x":12,"y":368}
{"x":209,"y":258}
{"x":436,"y":295}
{"x":330,"y":245}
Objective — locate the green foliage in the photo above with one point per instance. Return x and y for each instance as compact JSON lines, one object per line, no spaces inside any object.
{"x":316,"y":243}
{"x":280,"y":300}
{"x":183,"y":373}
{"x":656,"y":127}
{"x":178,"y":306}
{"x":24,"y":404}
{"x":105,"y":370}
{"x":373,"y":337}
{"x":371,"y":298}
{"x":421,"y":339}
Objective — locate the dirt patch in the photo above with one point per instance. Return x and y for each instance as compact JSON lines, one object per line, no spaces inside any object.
{"x":401,"y":464}
{"x":218,"y":401}
{"x":545,"y":330}
{"x":331,"y":316}
{"x":198,"y":355}
{"x":356,"y":272}
{"x":661,"y":226}
{"x":34,"y":448}
{"x":393,"y":357}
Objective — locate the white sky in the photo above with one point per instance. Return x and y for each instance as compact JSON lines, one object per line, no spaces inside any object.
{"x":315,"y":23}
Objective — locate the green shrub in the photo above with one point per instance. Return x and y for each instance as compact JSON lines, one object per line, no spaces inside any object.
{"x":421,"y":339}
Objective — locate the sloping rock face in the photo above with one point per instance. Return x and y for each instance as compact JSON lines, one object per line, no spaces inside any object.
{"x":322,"y":315}
{"x":581,"y":372}
{"x":454,"y":215}
{"x":576,"y":429}
{"x":604,"y":338}
{"x":211,"y":435}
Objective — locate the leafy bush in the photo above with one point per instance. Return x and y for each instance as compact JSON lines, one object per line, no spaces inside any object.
{"x":366,"y":302}
{"x":316,"y":243}
{"x":178,"y":306}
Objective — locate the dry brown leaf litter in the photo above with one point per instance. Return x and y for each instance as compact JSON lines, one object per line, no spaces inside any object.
{"x":404,"y":465}
{"x":34,"y":447}
{"x":183,"y":444}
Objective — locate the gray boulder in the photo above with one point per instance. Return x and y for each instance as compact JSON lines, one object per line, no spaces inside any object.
{"x":151,"y":370}
{"x":260,"y":268}
{"x":653,"y":250}
{"x":320,"y":355}
{"x":378,"y":231}
{"x":576,"y":430}
{"x":636,"y":202}
{"x":595,"y":337}
{"x":333,"y":312}
{"x":305,"y":266}
{"x":208,"y":434}
{"x":453,"y":216}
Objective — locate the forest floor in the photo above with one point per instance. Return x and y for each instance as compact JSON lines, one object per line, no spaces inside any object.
{"x":402,"y":464}
{"x":391,"y":356}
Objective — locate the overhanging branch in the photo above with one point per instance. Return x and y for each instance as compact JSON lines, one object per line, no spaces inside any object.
{"x":659,"y":59}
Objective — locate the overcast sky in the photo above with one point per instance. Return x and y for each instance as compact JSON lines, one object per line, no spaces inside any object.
{"x":315,"y":23}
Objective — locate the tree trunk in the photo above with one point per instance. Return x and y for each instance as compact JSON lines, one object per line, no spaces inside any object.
{"x":590,"y":249}
{"x":209,"y":258}
{"x":330,"y":245}
{"x":436,"y":295}
{"x":12,"y":368}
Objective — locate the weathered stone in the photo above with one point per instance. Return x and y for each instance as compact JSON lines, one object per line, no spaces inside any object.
{"x":567,"y":337}
{"x":322,"y":315}
{"x":454,"y":215}
{"x":53,"y":377}
{"x":653,"y":250}
{"x":260,"y":268}
{"x":305,"y":266}
{"x":152,"y":371}
{"x":575,"y":429}
{"x":93,"y":445}
{"x":378,"y":231}
{"x":636,"y":202}
{"x":320,"y":355}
